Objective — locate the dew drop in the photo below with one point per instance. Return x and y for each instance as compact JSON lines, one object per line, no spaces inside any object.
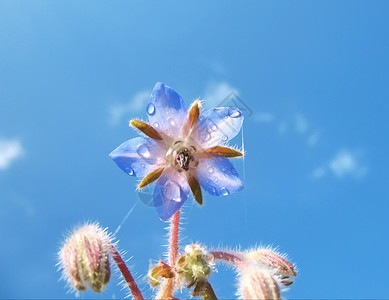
{"x":130,"y":171}
{"x":216,"y":180}
{"x":210,"y":169}
{"x":233,"y":171}
{"x":143,"y":151}
{"x":234,"y":112}
{"x":224,"y":138}
{"x":156,"y":125}
{"x":172,"y":122}
{"x":142,"y":165}
{"x":213,"y":191}
{"x":151,"y":109}
{"x":171,"y":191}
{"x":205,"y":136}
{"x":213,"y":127}
{"x":224,"y":191}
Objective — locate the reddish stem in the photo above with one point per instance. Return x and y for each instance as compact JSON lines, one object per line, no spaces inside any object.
{"x":230,"y":258}
{"x":136,"y":293}
{"x":166,"y":291}
{"x":173,"y":239}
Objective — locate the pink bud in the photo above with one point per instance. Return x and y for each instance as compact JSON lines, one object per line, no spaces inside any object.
{"x":273,"y":260}
{"x":258,"y":284}
{"x":84,"y":258}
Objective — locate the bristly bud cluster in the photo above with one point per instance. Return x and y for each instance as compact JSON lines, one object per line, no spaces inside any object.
{"x":263,"y":274}
{"x":84,"y":258}
{"x":283,"y":269}
{"x":195,"y":265}
{"x":258,"y":284}
{"x":192,"y":268}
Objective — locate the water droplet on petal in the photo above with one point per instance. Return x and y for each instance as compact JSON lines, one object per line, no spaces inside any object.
{"x":213,"y":127}
{"x":143,"y":151}
{"x":172,"y":191}
{"x":172,"y":122}
{"x":233,"y":171}
{"x":224,"y":192}
{"x":216,"y":179}
{"x":213,"y":191}
{"x":210,"y":169}
{"x":205,"y":136}
{"x":151,"y":109}
{"x":142,"y":165}
{"x":224,"y":138}
{"x":130,"y":171}
{"x":234,"y":112}
{"x":156,"y":125}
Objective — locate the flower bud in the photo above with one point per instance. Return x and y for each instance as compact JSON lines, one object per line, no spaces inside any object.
{"x":273,"y":260}
{"x":195,"y":265}
{"x":258,"y":284}
{"x":84,"y":258}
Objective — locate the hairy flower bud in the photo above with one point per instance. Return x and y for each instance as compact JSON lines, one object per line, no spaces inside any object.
{"x":195,"y":265}
{"x":270,"y":258}
{"x":84,"y":258}
{"x":258,"y":284}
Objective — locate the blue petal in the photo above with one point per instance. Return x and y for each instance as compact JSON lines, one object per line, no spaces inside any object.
{"x":218,"y":176}
{"x":170,"y":193}
{"x":166,"y":110}
{"x":217,"y":126}
{"x":139,"y":156}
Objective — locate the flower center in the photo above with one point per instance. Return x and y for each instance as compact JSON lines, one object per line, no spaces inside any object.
{"x":183,"y":159}
{"x":182,"y":156}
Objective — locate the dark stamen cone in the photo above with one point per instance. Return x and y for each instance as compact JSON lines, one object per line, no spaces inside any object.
{"x":151,"y":177}
{"x":147,"y":129}
{"x":224,"y":151}
{"x":196,"y":189}
{"x":194,"y":112}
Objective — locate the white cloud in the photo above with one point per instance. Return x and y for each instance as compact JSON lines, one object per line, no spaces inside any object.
{"x":118,"y":110}
{"x":300,"y":124}
{"x":217,"y":93}
{"x":264,"y":117}
{"x":344,"y":164}
{"x":9,"y":151}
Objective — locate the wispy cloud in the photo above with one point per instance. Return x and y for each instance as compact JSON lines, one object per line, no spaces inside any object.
{"x":344,"y":164}
{"x":136,"y":104}
{"x":300,"y":124}
{"x":10,"y":150}
{"x":216,"y":93}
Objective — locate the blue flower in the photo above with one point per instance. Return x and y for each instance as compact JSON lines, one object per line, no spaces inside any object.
{"x":182,"y":150}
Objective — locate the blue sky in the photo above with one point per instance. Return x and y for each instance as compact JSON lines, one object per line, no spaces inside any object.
{"x":315,"y":75}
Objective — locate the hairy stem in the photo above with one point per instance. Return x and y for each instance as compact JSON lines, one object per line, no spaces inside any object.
{"x":167,"y":288}
{"x":136,"y":293}
{"x":229,"y":258}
